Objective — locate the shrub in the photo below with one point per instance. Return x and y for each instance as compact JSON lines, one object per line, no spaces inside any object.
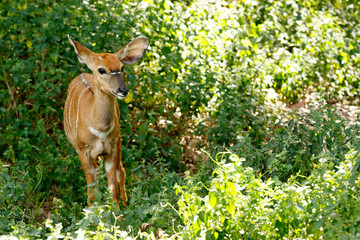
{"x":295,"y":142}
{"x":210,"y":72}
{"x":239,"y":205}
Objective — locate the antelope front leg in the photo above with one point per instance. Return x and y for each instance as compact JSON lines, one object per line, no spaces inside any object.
{"x":89,"y":166}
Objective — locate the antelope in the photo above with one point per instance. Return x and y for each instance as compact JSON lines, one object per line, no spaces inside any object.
{"x":91,"y":112}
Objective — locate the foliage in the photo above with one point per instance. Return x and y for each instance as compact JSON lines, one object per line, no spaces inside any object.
{"x":212,"y":72}
{"x":150,"y":200}
{"x":239,"y":205}
{"x":288,"y":46}
{"x":298,"y":141}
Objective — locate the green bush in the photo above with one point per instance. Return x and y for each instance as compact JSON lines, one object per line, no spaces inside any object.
{"x":239,"y":205}
{"x":151,"y":200}
{"x":212,"y":71}
{"x":295,"y":142}
{"x":290,"y":46}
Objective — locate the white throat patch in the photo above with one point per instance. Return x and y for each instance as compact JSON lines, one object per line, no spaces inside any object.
{"x":100,"y":134}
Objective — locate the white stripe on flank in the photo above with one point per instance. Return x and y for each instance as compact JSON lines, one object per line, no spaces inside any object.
{"x":72,"y":97}
{"x":68,"y":112}
{"x":76,"y":88}
{"x":78,"y":112}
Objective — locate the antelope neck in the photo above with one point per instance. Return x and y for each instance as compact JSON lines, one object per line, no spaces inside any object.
{"x":103,"y":111}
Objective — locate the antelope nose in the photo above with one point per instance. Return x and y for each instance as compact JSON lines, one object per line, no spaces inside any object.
{"x":123,"y":90}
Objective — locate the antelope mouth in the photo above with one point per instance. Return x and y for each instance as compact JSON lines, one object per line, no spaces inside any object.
{"x":120,"y":96}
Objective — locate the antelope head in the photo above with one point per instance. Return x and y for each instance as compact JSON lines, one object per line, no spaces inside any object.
{"x":108,"y":67}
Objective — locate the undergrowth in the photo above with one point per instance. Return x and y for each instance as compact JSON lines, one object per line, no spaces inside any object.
{"x":208,"y":79}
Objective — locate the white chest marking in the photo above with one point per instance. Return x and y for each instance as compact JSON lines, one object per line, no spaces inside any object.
{"x":100,"y":134}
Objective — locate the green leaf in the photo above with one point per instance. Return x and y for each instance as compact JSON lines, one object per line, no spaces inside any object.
{"x":319,"y":224}
{"x":230,"y":188}
{"x":230,"y":207}
{"x":300,"y":207}
{"x":212,"y":199}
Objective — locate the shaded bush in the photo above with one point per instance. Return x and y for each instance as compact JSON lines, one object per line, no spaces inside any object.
{"x":296,"y":142}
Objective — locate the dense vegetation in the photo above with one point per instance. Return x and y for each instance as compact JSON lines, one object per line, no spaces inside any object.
{"x":209,"y":150}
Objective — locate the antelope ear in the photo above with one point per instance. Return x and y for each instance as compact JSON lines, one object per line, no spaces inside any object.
{"x":134,"y":50}
{"x":83,"y":54}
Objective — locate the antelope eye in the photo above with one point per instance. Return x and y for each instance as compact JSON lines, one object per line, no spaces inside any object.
{"x":102,"y":71}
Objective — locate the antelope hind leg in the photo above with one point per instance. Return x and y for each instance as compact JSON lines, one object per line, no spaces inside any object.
{"x":116,"y":175}
{"x":113,"y":186}
{"x":121,"y":174}
{"x":121,"y":177}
